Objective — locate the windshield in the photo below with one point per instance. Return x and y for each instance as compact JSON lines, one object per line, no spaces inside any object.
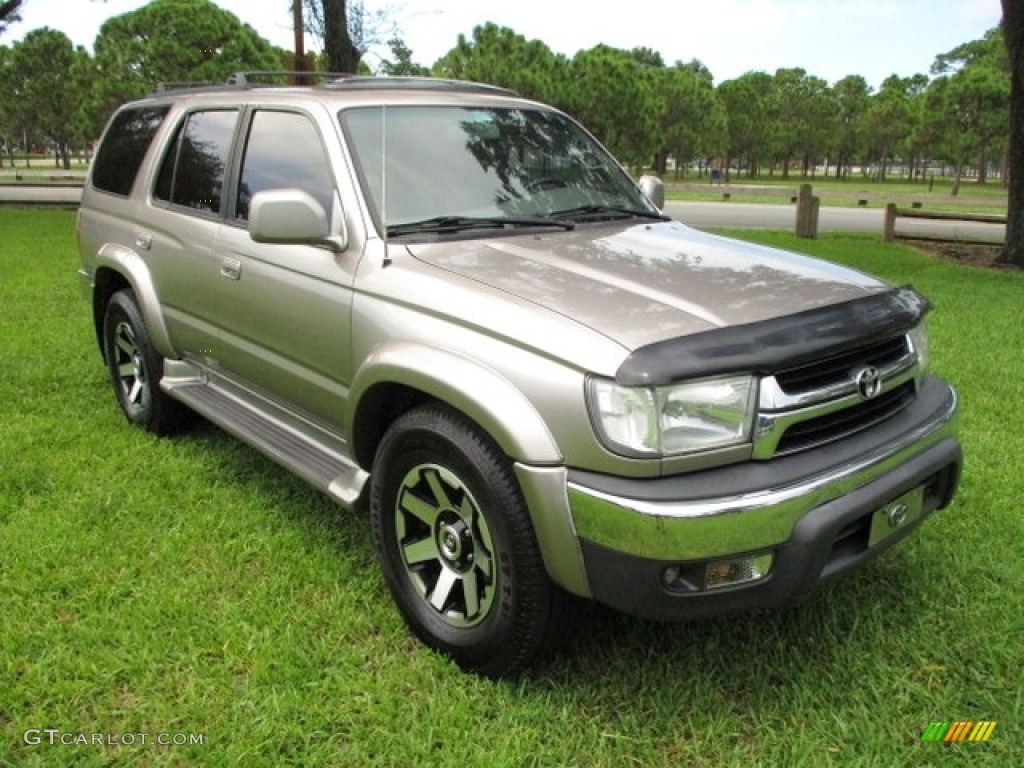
{"x":445,"y":169}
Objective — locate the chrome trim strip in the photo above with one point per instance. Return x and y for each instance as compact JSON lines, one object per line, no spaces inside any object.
{"x":769,"y":428}
{"x":772,"y":398}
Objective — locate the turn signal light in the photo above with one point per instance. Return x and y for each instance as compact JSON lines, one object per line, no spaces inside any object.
{"x":728,"y":573}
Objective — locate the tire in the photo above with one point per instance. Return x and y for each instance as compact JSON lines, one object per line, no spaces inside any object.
{"x":136,"y":368}
{"x":457,"y":547}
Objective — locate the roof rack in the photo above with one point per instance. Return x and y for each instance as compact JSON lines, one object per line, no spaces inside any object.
{"x":360,"y":82}
{"x":338,"y":80}
{"x":246,"y":79}
{"x":181,"y":86}
{"x":238,"y":80}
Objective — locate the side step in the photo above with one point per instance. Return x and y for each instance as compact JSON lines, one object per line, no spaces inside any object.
{"x":311,"y":453}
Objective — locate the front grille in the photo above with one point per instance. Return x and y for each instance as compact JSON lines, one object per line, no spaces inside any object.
{"x":838,"y":424}
{"x":825,"y":373}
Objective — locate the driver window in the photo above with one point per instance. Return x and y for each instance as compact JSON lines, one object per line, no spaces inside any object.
{"x":283,"y":150}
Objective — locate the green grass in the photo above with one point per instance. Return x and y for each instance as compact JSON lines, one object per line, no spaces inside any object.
{"x":972,"y":197}
{"x":188,"y":585}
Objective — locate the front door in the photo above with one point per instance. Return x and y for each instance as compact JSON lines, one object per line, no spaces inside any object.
{"x":284,"y":310}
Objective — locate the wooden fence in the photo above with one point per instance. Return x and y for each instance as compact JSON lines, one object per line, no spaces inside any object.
{"x":892,"y":213}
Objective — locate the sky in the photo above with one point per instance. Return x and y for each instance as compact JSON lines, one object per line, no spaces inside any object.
{"x":828,"y":38}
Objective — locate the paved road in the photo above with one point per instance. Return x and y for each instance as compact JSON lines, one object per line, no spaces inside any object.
{"x":699,"y":215}
{"x":763,"y":216}
{"x":24,"y":193}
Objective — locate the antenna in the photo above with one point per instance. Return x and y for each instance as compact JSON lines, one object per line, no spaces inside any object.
{"x":384,"y":180}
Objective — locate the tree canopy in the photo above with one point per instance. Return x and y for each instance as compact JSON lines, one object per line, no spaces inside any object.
{"x":9,"y":13}
{"x":500,"y":56}
{"x":648,"y":113}
{"x":45,"y":77}
{"x":172,"y":41}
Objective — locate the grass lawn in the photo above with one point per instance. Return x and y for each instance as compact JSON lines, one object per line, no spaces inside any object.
{"x":973,"y":197}
{"x":189,"y":586}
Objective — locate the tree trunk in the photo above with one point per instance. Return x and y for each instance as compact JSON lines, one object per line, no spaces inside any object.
{"x":299,"y":39}
{"x":661,"y":163}
{"x":342,"y":55}
{"x":1013,"y":31}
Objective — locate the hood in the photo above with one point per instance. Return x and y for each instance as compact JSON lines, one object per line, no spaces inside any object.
{"x":644,"y":283}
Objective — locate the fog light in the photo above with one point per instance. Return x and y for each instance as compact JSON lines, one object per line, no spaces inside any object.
{"x":727,"y":573}
{"x":670,"y":575}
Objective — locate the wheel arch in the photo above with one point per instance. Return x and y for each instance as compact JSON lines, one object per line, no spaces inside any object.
{"x":119,"y":268}
{"x":399,"y":376}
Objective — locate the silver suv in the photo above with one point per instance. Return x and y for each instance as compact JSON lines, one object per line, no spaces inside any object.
{"x":452,"y":304}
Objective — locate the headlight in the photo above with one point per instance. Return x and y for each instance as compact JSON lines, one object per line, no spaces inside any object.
{"x":919,"y":342}
{"x":679,"y":418}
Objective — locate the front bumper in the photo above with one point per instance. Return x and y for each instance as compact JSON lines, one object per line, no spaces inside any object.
{"x":813,"y":512}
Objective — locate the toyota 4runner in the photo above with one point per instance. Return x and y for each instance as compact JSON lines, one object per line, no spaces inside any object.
{"x":452,"y":304}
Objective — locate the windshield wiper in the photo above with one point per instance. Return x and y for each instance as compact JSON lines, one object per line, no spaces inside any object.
{"x":595,"y":212}
{"x":449,"y":224}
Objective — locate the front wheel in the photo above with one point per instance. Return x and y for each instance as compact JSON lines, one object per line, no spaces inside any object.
{"x":457,"y":547}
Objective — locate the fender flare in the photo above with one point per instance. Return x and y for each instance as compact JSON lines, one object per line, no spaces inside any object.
{"x":483,"y":394}
{"x":502,"y":411}
{"x":132,"y":268}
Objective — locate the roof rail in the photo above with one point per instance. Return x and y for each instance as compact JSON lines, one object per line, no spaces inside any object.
{"x":358,"y":82}
{"x":181,"y":86}
{"x":245,"y":79}
{"x":345,"y":80}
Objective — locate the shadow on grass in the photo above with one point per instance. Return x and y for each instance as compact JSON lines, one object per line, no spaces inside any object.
{"x":854,"y":625}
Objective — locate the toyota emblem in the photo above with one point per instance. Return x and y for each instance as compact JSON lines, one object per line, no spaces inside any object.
{"x":896,"y":514}
{"x":868,"y":381}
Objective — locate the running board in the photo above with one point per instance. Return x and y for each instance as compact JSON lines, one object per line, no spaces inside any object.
{"x":308,"y":451}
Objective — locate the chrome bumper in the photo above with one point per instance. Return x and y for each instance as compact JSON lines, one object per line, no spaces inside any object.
{"x":709,"y":527}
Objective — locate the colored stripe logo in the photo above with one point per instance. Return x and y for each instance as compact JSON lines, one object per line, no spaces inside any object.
{"x":961,"y":730}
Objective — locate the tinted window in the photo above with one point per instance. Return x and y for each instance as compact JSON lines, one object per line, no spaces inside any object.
{"x":119,"y":157}
{"x":283,"y":151}
{"x":192,"y":173}
{"x":445,"y":161}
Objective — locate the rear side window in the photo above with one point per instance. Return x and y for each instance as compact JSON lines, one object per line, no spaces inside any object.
{"x":120,"y":155}
{"x":192,"y":172}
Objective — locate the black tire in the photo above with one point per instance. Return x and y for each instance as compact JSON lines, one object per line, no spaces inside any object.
{"x":457,"y":547}
{"x":136,"y":368}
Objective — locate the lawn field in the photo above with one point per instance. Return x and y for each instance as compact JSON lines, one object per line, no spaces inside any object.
{"x":988,"y":198}
{"x":188,"y":590}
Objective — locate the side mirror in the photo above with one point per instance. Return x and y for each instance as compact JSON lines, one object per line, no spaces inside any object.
{"x":291,"y":216}
{"x":653,"y":189}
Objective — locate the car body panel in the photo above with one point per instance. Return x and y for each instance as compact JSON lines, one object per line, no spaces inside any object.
{"x":309,"y":351}
{"x":641,"y":283}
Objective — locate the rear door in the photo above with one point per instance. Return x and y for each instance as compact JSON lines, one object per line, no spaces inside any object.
{"x":185,"y":212}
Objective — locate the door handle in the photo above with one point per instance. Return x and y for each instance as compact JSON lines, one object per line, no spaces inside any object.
{"x":231,"y":269}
